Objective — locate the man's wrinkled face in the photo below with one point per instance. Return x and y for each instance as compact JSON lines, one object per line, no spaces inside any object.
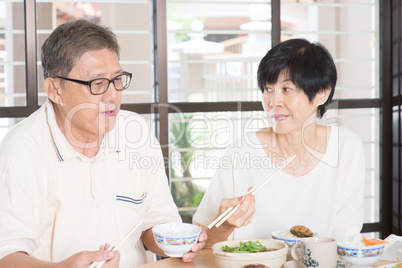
{"x":91,"y":115}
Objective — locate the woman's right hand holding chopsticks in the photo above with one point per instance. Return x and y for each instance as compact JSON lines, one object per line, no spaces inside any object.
{"x":236,"y":212}
{"x":231,"y":210}
{"x":243,"y":215}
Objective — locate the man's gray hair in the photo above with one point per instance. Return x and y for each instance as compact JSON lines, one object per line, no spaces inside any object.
{"x":69,"y":41}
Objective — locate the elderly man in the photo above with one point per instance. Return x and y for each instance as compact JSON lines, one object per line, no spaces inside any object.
{"x":71,"y":178}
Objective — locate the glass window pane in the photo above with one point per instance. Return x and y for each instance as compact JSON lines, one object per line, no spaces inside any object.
{"x":351,"y":39}
{"x":133,"y":28}
{"x":151,"y":121}
{"x":214,"y":48}
{"x":198,"y":140}
{"x":6,"y":124}
{"x":12,"y":54}
{"x":187,"y":195}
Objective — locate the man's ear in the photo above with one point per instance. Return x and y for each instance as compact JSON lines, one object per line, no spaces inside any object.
{"x":53,"y":89}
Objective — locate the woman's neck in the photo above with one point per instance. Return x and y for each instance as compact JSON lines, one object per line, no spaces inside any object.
{"x":299,"y":143}
{"x":308,"y":145}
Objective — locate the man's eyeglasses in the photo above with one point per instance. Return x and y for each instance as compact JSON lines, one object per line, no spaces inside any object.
{"x":99,"y":86}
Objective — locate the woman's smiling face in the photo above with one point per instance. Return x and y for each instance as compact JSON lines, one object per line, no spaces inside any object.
{"x":287,"y":107}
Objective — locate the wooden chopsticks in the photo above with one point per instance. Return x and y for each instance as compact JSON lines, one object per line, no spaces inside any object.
{"x":121,"y":240}
{"x":229,"y":211}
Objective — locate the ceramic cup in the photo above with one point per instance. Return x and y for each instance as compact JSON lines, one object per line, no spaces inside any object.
{"x":318,"y":252}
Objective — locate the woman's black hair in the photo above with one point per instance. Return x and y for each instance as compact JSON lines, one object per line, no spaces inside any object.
{"x":308,"y":65}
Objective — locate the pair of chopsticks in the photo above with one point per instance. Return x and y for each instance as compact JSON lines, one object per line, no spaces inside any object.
{"x":119,"y":242}
{"x":229,"y":211}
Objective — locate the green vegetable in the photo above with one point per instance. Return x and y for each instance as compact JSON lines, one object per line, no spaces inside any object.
{"x":246,"y":247}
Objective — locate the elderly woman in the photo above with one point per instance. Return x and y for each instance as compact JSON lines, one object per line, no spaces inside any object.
{"x":322,"y":188}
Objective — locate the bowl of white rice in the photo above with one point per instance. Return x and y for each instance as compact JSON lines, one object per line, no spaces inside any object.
{"x":176,"y":238}
{"x":287,"y":237}
{"x":353,"y":249}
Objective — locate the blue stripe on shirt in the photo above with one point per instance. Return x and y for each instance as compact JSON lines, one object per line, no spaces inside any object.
{"x":58,"y":153}
{"x":131,"y":200}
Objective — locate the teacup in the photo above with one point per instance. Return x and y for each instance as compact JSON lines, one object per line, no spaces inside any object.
{"x":319,"y":252}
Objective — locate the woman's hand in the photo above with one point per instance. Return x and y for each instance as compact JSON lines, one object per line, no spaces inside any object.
{"x":243,"y":215}
{"x":195,"y":250}
{"x":84,"y":259}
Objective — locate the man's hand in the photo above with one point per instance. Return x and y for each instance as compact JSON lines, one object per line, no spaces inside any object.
{"x":195,"y":250}
{"x":84,"y":259}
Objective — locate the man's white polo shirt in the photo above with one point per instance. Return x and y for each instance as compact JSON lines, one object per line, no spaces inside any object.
{"x":55,"y":202}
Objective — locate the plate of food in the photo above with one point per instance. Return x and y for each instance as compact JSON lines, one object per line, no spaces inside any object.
{"x":360,"y":250}
{"x":246,"y":253}
{"x":293,"y":235}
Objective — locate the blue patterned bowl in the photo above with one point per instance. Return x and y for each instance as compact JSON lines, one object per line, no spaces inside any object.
{"x":290,"y":241}
{"x":176,"y":238}
{"x":286,"y":236}
{"x":360,"y":255}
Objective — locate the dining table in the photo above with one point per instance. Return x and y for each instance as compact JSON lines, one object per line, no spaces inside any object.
{"x":205,"y":259}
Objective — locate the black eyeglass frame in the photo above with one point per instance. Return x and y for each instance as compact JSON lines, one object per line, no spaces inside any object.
{"x":88,"y":83}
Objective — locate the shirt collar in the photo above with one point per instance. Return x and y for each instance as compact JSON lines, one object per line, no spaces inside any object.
{"x":63,"y":148}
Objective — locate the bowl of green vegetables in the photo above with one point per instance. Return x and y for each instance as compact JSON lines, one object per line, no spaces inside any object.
{"x":240,"y":253}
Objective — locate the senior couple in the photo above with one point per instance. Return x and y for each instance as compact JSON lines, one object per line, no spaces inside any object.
{"x":68,"y":189}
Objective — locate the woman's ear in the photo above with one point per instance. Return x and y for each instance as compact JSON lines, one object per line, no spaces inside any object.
{"x":322,"y":96}
{"x":53,"y":89}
